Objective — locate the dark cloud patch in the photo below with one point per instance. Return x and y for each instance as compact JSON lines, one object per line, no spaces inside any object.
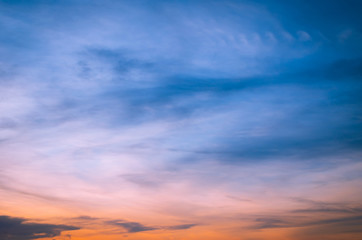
{"x":263,"y":223}
{"x":339,"y":224}
{"x":328,"y":210}
{"x":317,"y":217}
{"x":313,"y":202}
{"x":21,"y":229}
{"x":86,"y":218}
{"x":181,"y":227}
{"x":344,"y":221}
{"x":320,"y":207}
{"x":131,"y":227}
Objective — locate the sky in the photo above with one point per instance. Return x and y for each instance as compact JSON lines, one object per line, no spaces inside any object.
{"x":180,"y":119}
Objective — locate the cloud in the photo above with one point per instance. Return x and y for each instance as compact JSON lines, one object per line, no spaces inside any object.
{"x":343,"y":224}
{"x":131,"y":227}
{"x":22,"y":229}
{"x":134,"y":227}
{"x":181,"y":227}
{"x":328,"y":210}
{"x":317,"y":217}
{"x":264,"y":223}
{"x":326,"y":207}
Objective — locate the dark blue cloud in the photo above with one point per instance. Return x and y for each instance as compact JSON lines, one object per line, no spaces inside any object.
{"x":21,"y":229}
{"x":343,"y":224}
{"x":131,"y":227}
{"x":181,"y":227}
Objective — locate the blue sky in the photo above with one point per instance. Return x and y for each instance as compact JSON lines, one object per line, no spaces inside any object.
{"x":235,"y":99}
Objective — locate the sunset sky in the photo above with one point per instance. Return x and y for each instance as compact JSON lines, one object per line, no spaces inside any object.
{"x":180,"y":120}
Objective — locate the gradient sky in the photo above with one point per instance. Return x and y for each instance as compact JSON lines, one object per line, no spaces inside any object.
{"x":180,"y":119}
